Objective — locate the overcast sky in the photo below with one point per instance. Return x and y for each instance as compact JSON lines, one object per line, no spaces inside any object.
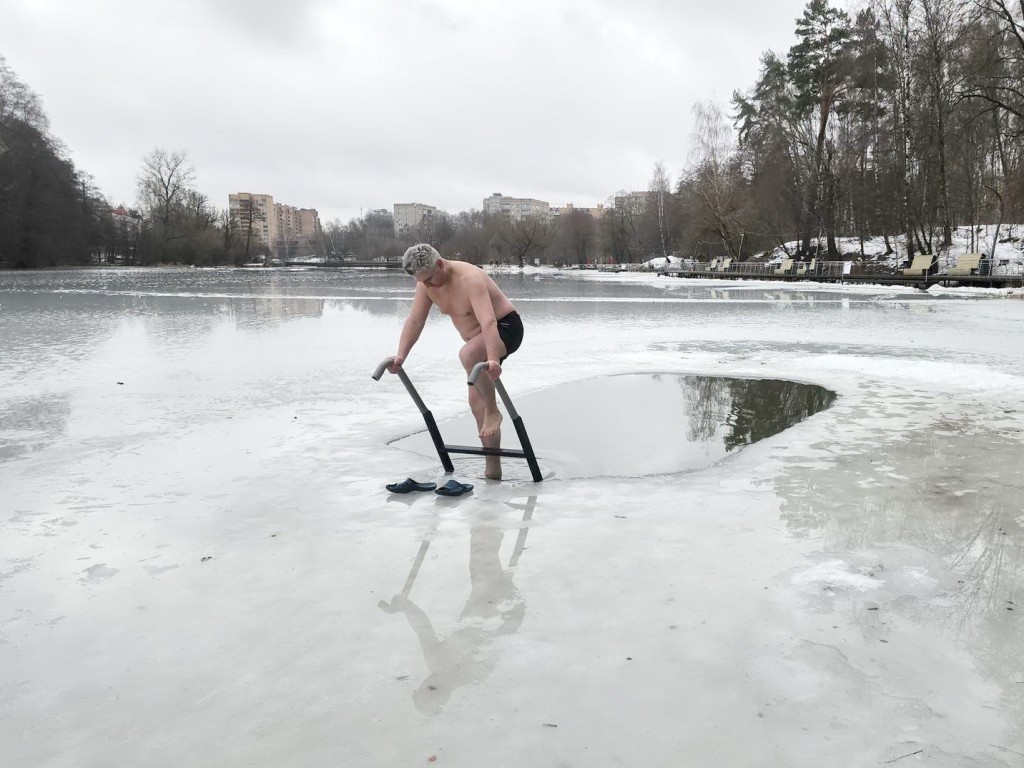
{"x":348,"y":105}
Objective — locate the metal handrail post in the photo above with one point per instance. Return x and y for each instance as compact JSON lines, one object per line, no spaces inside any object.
{"x":428,"y":417}
{"x":517,"y":421}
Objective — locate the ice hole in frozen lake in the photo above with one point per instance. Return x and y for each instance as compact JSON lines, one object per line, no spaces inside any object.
{"x":634,"y":425}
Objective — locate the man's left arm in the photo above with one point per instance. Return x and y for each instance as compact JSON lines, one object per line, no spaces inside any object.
{"x":483,"y":309}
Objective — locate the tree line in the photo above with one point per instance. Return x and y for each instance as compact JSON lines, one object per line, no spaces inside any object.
{"x":50,"y":212}
{"x":902,"y":121}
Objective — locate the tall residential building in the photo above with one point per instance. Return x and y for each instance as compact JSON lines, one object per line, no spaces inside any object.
{"x":516,"y":208}
{"x":256,"y":212}
{"x":299,"y":231}
{"x":288,"y":231}
{"x":412,"y":215}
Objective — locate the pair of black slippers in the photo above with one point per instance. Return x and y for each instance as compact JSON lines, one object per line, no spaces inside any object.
{"x":451,"y":488}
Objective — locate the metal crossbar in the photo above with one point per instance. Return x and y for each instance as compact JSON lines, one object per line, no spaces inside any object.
{"x":443,"y":450}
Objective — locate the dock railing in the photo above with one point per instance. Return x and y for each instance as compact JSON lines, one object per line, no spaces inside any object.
{"x":1001,"y":272}
{"x":987,"y":266}
{"x":759,"y":269}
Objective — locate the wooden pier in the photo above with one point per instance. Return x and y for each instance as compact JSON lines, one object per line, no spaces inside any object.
{"x":389,"y":264}
{"x":841,"y":272}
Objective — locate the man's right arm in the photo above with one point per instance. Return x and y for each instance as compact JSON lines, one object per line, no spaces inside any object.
{"x":413,"y":326}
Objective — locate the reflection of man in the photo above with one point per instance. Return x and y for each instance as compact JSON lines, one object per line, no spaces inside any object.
{"x":483,"y":316}
{"x":494,"y":608}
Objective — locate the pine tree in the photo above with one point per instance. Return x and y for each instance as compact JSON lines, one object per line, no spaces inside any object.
{"x":818,"y":66}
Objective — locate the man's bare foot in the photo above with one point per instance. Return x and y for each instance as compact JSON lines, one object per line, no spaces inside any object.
{"x":491,"y":425}
{"x":492,"y":470}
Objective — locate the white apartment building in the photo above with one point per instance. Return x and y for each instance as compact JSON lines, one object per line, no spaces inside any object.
{"x":255,"y":211}
{"x":412,"y":215}
{"x":516,"y":208}
{"x":298,"y":229}
{"x":287,"y":230}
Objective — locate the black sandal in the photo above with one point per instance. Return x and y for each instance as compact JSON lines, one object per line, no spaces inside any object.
{"x":409,"y":485}
{"x":454,"y":488}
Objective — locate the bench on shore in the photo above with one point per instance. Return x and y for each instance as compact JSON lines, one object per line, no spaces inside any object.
{"x":921,"y":265}
{"x":785,"y":267}
{"x":966,"y":264}
{"x":803,"y":268}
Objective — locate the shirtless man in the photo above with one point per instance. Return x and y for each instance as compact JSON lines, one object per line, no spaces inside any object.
{"x":482,"y":315}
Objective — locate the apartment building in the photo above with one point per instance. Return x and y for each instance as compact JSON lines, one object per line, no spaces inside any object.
{"x":413,"y":215}
{"x":596,"y":212}
{"x":632,"y":200}
{"x":516,"y":208}
{"x":288,"y":231}
{"x":299,"y":231}
{"x":256,"y":212}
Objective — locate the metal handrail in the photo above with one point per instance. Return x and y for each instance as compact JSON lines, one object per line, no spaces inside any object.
{"x":443,"y":450}
{"x":428,"y":417}
{"x":498,"y":387}
{"x":385,"y":364}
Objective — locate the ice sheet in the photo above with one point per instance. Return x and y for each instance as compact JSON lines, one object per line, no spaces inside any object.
{"x":199,"y":565}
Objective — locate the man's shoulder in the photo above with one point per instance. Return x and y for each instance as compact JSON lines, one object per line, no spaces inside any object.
{"x":465,"y":268}
{"x":469,"y":272}
{"x":423,"y":291}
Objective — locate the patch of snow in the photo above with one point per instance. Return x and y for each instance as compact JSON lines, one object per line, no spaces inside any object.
{"x":833,"y":574}
{"x":1009,"y":251}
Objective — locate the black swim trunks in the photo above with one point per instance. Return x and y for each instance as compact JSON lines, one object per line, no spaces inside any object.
{"x":510,"y":331}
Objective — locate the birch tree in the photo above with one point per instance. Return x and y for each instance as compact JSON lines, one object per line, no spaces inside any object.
{"x":660,"y":201}
{"x":712,"y":187}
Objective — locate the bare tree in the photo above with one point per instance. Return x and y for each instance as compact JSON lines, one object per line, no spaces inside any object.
{"x":661,"y":193}
{"x":18,"y":101}
{"x":943,"y":26}
{"x":574,"y":238}
{"x":897,"y":32}
{"x":201,"y":214}
{"x":712,"y":179}
{"x":526,"y":236}
{"x":163,"y":184}
{"x":622,"y":225}
{"x":1001,"y":84}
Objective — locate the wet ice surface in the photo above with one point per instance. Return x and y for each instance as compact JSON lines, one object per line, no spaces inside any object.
{"x":199,"y":564}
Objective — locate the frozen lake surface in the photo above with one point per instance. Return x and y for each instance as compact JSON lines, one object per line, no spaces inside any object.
{"x":199,"y":564}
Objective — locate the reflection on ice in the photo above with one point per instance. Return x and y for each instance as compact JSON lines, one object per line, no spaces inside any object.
{"x":638,"y":425}
{"x":31,"y":424}
{"x":494,"y":608}
{"x":960,"y":529}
